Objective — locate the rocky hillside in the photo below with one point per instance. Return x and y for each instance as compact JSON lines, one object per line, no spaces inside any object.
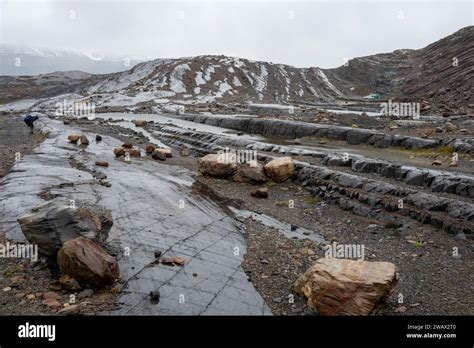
{"x":439,"y":76}
{"x":207,"y":78}
{"x":42,"y":86}
{"x":441,"y":73}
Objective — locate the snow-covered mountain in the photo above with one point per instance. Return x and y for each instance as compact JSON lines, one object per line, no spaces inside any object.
{"x":209,"y":78}
{"x":20,"y":60}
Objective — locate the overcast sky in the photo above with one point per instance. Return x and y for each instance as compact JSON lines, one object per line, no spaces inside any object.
{"x":299,"y":33}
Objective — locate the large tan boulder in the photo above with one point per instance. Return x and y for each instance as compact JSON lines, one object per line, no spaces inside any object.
{"x":251,"y":172}
{"x":280,"y":169}
{"x":346,"y":287}
{"x":217,"y":164}
{"x":88,"y":262}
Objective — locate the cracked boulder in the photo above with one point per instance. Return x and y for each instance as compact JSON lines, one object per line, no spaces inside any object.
{"x":347,"y":287}
{"x":51,"y":224}
{"x":280,"y":169}
{"x":218,"y":164}
{"x":88,"y":263}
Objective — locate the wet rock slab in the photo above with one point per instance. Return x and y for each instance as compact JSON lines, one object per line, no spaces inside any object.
{"x":153,"y":209}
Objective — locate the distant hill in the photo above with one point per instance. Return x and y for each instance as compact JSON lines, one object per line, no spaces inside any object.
{"x":20,"y":60}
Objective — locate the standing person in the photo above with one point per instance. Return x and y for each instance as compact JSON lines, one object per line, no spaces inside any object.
{"x":29,"y":120}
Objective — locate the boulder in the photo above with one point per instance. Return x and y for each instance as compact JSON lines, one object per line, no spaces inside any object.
{"x":88,"y":263}
{"x":139,"y":123}
{"x":149,"y":148}
{"x":98,"y":138}
{"x":127,"y":145}
{"x":84,"y":140}
{"x":280,"y":169}
{"x":251,"y":172}
{"x":119,"y":151}
{"x":450,"y":127}
{"x":51,"y":224}
{"x":101,"y":163}
{"x":158,"y":155}
{"x":73,"y":138}
{"x":217,"y":164}
{"x":68,"y":283}
{"x":166,"y":152}
{"x":346,"y":287}
{"x":135,"y":152}
{"x":261,"y":192}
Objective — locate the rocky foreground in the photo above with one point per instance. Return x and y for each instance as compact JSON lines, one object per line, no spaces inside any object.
{"x":179,"y":226}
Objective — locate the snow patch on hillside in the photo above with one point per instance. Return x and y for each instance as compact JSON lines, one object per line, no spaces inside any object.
{"x":223,"y":88}
{"x":236,"y":82}
{"x":325,"y":80}
{"x":176,"y":78}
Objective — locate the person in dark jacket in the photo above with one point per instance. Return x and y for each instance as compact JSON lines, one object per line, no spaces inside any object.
{"x":29,"y":120}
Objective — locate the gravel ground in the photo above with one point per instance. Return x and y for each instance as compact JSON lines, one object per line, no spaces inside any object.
{"x":15,"y":138}
{"x":432,"y":281}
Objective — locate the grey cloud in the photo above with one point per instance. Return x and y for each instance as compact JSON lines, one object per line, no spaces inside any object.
{"x":320,"y":33}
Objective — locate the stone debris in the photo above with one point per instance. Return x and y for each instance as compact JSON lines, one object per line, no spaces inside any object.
{"x":101,"y":163}
{"x":135,"y":152}
{"x":150,"y":148}
{"x":127,"y":144}
{"x":162,"y":154}
{"x":84,"y":140}
{"x":119,"y":151}
{"x":69,"y":283}
{"x":74,"y":138}
{"x":139,"y":123}
{"x":172,"y":260}
{"x":261,"y":192}
{"x":158,"y":155}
